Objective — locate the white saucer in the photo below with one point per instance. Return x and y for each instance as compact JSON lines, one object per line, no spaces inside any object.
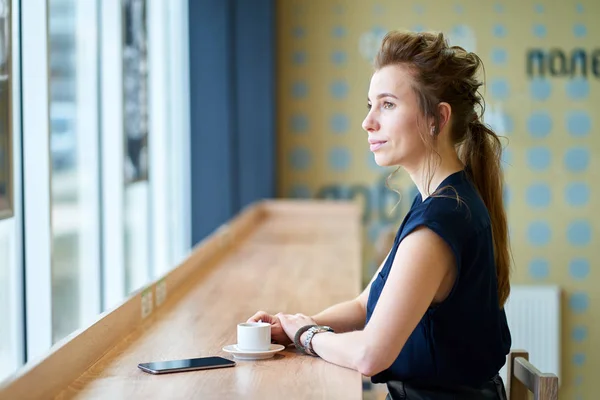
{"x":253,"y":355}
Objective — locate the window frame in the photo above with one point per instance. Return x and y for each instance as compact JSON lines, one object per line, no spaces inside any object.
{"x":36,"y":178}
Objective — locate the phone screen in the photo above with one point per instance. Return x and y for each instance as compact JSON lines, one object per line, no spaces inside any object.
{"x":192,"y":364}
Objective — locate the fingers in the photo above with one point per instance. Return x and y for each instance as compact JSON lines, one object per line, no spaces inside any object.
{"x":265,"y":317}
{"x":261,"y":315}
{"x":273,"y":319}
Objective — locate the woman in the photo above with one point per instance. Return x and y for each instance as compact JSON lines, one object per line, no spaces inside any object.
{"x":431,"y":322}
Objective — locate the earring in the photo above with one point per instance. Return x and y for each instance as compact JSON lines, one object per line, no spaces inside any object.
{"x":433,"y":130}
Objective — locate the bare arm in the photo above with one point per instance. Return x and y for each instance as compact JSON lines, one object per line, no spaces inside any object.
{"x":422,"y":263}
{"x":343,"y":317}
{"x":349,"y":315}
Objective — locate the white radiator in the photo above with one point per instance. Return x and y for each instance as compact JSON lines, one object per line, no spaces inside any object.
{"x":533,"y":313}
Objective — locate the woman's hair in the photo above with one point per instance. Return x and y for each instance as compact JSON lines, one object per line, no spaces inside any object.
{"x":443,"y":73}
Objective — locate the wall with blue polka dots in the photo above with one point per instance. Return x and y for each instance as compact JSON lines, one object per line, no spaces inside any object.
{"x":546,"y":107}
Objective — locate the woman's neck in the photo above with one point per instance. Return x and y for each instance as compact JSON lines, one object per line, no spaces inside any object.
{"x":449,"y":164}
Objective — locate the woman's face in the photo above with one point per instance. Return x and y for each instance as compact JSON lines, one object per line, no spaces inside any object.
{"x":392,"y":120}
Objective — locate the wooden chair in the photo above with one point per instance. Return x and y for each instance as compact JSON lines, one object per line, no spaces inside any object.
{"x":523,"y":377}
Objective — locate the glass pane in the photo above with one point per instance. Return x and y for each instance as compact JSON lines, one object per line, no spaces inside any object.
{"x":135,"y":101}
{"x":5,"y":112}
{"x":135,"y":90}
{"x":9,"y":359}
{"x":74,"y":181}
{"x":137,"y":265}
{"x":8,"y":308}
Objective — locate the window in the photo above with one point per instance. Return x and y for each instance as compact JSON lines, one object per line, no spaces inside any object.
{"x":78,"y":157}
{"x":135,"y":119}
{"x":73,"y":59}
{"x":5,"y":112}
{"x":11,"y":306}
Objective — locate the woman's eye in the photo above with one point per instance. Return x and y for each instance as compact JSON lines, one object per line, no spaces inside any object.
{"x":388,"y":105}
{"x":369,"y":106}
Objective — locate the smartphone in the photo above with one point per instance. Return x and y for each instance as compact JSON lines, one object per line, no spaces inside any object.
{"x":192,"y":364}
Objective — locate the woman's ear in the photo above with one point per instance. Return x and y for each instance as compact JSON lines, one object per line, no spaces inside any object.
{"x":445,"y":112}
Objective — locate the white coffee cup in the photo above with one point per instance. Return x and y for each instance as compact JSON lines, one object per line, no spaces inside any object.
{"x":254,"y":336}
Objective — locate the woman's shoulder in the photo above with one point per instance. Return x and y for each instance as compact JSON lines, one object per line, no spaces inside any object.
{"x":459,"y":207}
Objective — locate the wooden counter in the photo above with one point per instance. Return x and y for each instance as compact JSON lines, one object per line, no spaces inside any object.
{"x":275,"y":256}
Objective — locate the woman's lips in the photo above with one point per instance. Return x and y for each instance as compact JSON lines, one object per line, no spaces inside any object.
{"x":375,"y":145}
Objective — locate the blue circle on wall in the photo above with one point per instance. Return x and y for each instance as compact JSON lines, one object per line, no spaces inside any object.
{"x":339,"y":89}
{"x":577,"y":194}
{"x":578,"y":88}
{"x":538,"y":158}
{"x":339,"y":57}
{"x":499,"y":56}
{"x":539,"y":124}
{"x":371,"y":161}
{"x":579,"y":8}
{"x":579,"y":123}
{"x":577,"y":159}
{"x":338,"y":32}
{"x":506,"y":158}
{"x":413,"y":192}
{"x":539,"y":8}
{"x":539,"y":268}
{"x":579,"y":359}
{"x":506,"y":194}
{"x":339,"y":159}
{"x":339,"y":123}
{"x":379,"y":31}
{"x":579,"y":268}
{"x":378,"y":9}
{"x":299,"y":58}
{"x":299,"y":123}
{"x":538,"y":195}
{"x":499,"y":89}
{"x":540,"y":88}
{"x":299,"y":90}
{"x":459,"y":9}
{"x":540,"y":31}
{"x":539,"y":233}
{"x":579,"y":30}
{"x":579,"y":233}
{"x":499,"y":8}
{"x":507,"y":123}
{"x":299,"y":191}
{"x":300,"y":159}
{"x":579,"y":333}
{"x":419,"y":9}
{"x":579,"y":302}
{"x":499,"y":31}
{"x":298,"y":32}
{"x":375,"y":229}
{"x":418,"y":28}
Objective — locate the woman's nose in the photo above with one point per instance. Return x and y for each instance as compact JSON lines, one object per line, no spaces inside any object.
{"x":370,"y":123}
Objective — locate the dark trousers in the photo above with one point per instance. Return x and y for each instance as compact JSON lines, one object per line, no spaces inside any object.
{"x":492,"y":390}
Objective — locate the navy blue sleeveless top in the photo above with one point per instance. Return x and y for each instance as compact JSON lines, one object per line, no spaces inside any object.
{"x":463,"y":340}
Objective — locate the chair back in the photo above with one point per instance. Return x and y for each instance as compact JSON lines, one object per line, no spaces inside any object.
{"x":523,"y":377}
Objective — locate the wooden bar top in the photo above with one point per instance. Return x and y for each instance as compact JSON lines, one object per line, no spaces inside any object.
{"x":276,"y":256}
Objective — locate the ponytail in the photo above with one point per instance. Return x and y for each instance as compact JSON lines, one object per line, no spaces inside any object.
{"x":481,"y":152}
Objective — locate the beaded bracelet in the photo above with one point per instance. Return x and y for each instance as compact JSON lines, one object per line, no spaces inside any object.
{"x":312,"y":330}
{"x":299,"y":333}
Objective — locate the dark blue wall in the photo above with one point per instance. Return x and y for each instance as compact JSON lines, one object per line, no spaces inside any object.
{"x":232,"y":94}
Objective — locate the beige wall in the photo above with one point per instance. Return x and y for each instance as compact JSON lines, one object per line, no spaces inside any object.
{"x":324,"y":52}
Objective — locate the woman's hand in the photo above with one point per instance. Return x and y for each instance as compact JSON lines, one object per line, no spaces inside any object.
{"x":278,"y":335}
{"x":291,"y":323}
